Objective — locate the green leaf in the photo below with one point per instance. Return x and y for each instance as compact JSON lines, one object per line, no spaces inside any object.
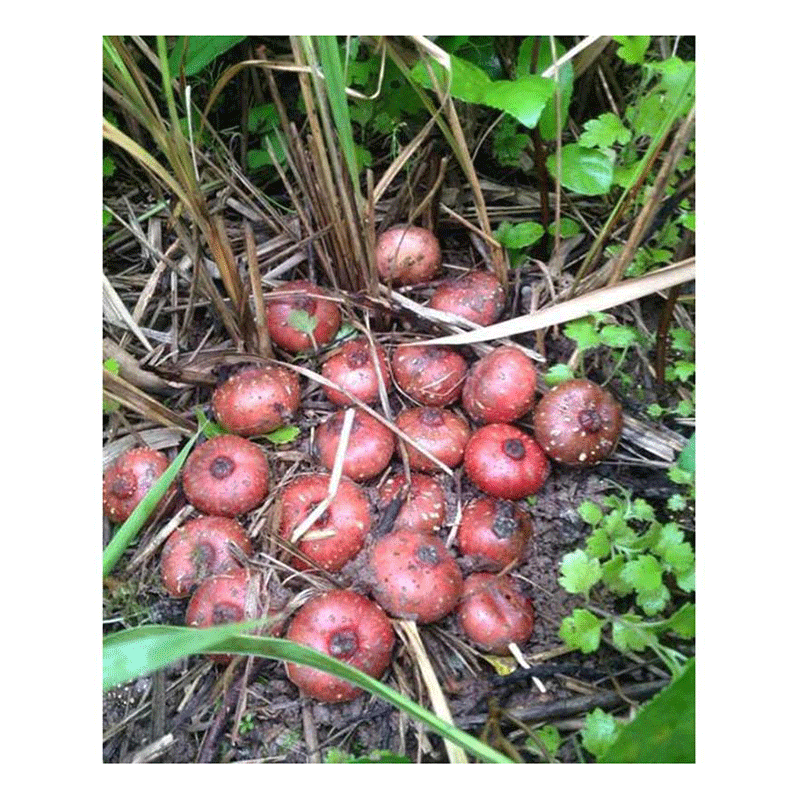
{"x":628,"y":635}
{"x":549,"y":737}
{"x":643,"y":573}
{"x":663,"y":731}
{"x":600,"y":731}
{"x":566,"y":75}
{"x":283,"y":435}
{"x":642,"y":510}
{"x":200,"y":51}
{"x":612,"y":576}
{"x":109,"y":167}
{"x":583,"y":332}
{"x":590,"y":512}
{"x":632,"y":48}
{"x":604,"y":131}
{"x":262,"y":117}
{"x":523,"y":98}
{"x":582,"y":630}
{"x":655,"y":410}
{"x":676,"y":502}
{"x":107,"y":217}
{"x":135,"y":652}
{"x":209,"y":428}
{"x":583,"y":170}
{"x":683,"y":370}
{"x":558,"y":373}
{"x":567,"y":227}
{"x":112,"y":366}
{"x":579,"y":572}
{"x":653,"y":601}
{"x":335,"y":756}
{"x":598,"y":544}
{"x":618,"y":336}
{"x":516,"y":237}
{"x":681,"y":623}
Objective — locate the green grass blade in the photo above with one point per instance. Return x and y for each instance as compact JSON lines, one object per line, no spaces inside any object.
{"x":131,"y":527}
{"x":131,"y":653}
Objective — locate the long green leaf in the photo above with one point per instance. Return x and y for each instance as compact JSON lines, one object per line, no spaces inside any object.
{"x":135,"y":652}
{"x":131,"y":527}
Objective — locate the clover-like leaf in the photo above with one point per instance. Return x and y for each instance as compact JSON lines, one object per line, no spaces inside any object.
{"x":579,"y":572}
{"x":582,"y":630}
{"x":604,"y":131}
{"x":600,"y":731}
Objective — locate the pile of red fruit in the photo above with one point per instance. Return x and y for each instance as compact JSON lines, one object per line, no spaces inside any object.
{"x":410,"y":571}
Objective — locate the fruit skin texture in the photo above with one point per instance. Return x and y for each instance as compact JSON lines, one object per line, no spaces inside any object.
{"x":478,"y":296}
{"x":257,"y":400}
{"x":129,"y":479}
{"x":433,"y":376}
{"x":347,"y":515}
{"x":500,"y":387}
{"x":407,"y":254}
{"x":494,"y":613}
{"x":219,"y":600}
{"x":578,"y":422}
{"x":226,"y":476}
{"x":504,"y":462}
{"x":369,"y":448}
{"x":345,"y":625}
{"x":278,"y":309}
{"x":494,"y":531}
{"x":353,"y":368}
{"x":198,"y":550}
{"x":414,"y":576}
{"x":424,"y":508}
{"x":442,"y":433}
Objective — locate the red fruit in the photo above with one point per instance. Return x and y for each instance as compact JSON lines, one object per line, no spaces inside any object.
{"x":344,"y":625}
{"x":494,"y":613}
{"x":494,"y":531}
{"x":129,"y":479}
{"x":433,"y":376}
{"x":415,"y":576}
{"x":199,"y":549}
{"x":353,"y":368}
{"x":369,"y":448}
{"x":281,"y":310}
{"x":226,"y":476}
{"x":424,"y":508}
{"x":442,"y":433}
{"x":257,"y":400}
{"x":347,"y":518}
{"x":219,"y":600}
{"x":500,"y":387}
{"x":578,"y":422}
{"x":407,"y":254}
{"x":478,"y":296}
{"x":503,"y":461}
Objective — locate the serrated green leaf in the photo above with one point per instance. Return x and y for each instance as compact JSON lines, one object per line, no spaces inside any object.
{"x":582,"y":630}
{"x":683,"y":370}
{"x":604,"y":131}
{"x":641,"y":509}
{"x":549,"y":737}
{"x":655,"y":410}
{"x":558,"y":373}
{"x":583,"y":332}
{"x":600,"y":731}
{"x":676,"y":502}
{"x":590,"y":512}
{"x":627,"y":635}
{"x":686,"y":580}
{"x":583,"y":170}
{"x":632,"y":48}
{"x":283,"y":435}
{"x":598,"y":544}
{"x":663,"y":731}
{"x":579,"y":572}
{"x":612,"y":576}
{"x":643,"y":573}
{"x":618,"y":335}
{"x":654,"y":601}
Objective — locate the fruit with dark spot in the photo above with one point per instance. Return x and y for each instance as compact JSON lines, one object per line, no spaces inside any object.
{"x":442,"y":433}
{"x":493,"y":613}
{"x":226,"y":476}
{"x":503,"y":461}
{"x":369,"y":447}
{"x":578,"y":422}
{"x":347,"y":626}
{"x":414,"y":576}
{"x":353,"y":368}
{"x":500,"y":387}
{"x":477,"y":296}
{"x":289,"y":314}
{"x":407,"y":254}
{"x":432,"y":376}
{"x":257,"y":400}
{"x":219,"y":600}
{"x":337,"y":535}
{"x":495,"y":532}
{"x":199,"y":549}
{"x":423,"y":510}
{"x":129,"y":479}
